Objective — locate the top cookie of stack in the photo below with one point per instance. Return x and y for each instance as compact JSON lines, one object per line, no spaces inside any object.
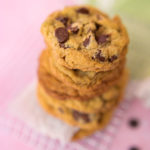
{"x":86,"y":39}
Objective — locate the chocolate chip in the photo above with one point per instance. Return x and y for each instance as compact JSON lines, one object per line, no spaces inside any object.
{"x":119,"y":30}
{"x":73,"y":29}
{"x":99,"y":56}
{"x":64,"y":20}
{"x":83,"y":10}
{"x":75,"y":70}
{"x":133,"y":122}
{"x":64,"y":57}
{"x":78,"y":115}
{"x":134,"y":148}
{"x":86,"y":41}
{"x":62,"y":34}
{"x":112,"y":58}
{"x":101,"y":39}
{"x":97,"y":26}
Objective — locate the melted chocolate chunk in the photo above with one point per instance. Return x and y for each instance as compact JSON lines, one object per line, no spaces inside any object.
{"x":86,"y":41}
{"x":64,"y":57}
{"x":62,"y":34}
{"x":112,"y":58}
{"x":78,"y":115}
{"x":101,"y":39}
{"x":97,"y":26}
{"x":75,"y":70}
{"x":83,"y":10}
{"x":119,"y":30}
{"x":64,"y":20}
{"x":73,"y":29}
{"x":99,"y":56}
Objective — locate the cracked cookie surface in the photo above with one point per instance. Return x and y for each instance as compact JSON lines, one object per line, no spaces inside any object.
{"x":82,"y":37}
{"x":82,"y":79}
{"x":97,"y":104}
{"x":57,"y":87}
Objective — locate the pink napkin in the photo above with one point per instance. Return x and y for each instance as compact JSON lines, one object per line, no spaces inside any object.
{"x":21,"y":42}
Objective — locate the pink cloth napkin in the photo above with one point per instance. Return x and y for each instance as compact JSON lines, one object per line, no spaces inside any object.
{"x":20,"y":46}
{"x":21,"y":42}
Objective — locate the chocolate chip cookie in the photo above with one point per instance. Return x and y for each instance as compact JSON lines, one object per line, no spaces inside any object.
{"x":97,"y":104}
{"x":81,"y":73}
{"x":82,"y":79}
{"x":84,"y":114}
{"x":57,"y":88}
{"x":82,"y":37}
{"x":75,"y":118}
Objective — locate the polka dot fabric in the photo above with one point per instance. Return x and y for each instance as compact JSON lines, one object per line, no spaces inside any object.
{"x":120,"y":134}
{"x":134,"y":132}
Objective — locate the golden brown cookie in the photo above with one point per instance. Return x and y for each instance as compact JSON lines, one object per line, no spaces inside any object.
{"x":79,"y":79}
{"x":97,"y":104}
{"x":83,"y":133}
{"x":94,"y":105}
{"x":82,"y":37}
{"x":75,"y":118}
{"x":57,"y":88}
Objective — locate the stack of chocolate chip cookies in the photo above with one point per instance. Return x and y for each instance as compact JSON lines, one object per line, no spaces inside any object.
{"x":82,"y":72}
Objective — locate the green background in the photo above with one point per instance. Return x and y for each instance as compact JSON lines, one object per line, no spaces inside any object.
{"x":136,"y":16}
